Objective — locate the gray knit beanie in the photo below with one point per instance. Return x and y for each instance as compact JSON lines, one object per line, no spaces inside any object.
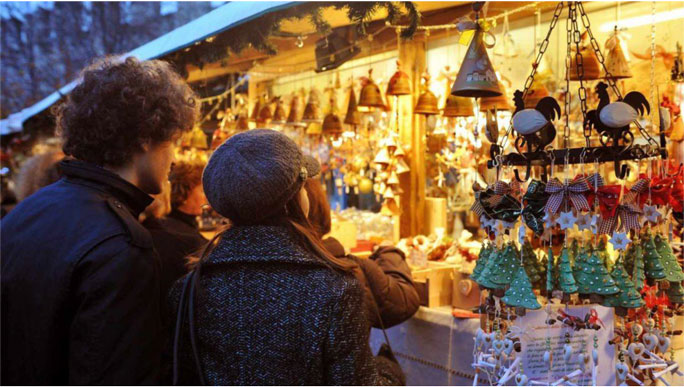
{"x":252,"y":175}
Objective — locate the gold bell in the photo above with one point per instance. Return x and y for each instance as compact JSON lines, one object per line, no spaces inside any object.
{"x":402,"y":167}
{"x":199,"y":139}
{"x":616,"y":62}
{"x":458,"y":107}
{"x":293,"y":116}
{"x":256,"y":111}
{"x":590,"y":63}
{"x":332,"y":125}
{"x":499,"y":102}
{"x":476,"y":78}
{"x":393,"y":179}
{"x":352,"y":116}
{"x":370,"y":94}
{"x":427,"y":102}
{"x":399,"y":84}
{"x":383,"y":157}
{"x":536,"y":92}
{"x":314,"y":128}
{"x":279,"y":117}
{"x":312,"y":112}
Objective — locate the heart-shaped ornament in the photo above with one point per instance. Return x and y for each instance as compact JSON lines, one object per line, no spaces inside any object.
{"x":479,"y":338}
{"x":636,"y":351}
{"x":663,"y":344}
{"x":508,"y":346}
{"x":637,"y":330}
{"x":521,"y":380}
{"x":650,"y":341}
{"x":622,"y":370}
{"x":488,"y":339}
{"x":498,"y":346}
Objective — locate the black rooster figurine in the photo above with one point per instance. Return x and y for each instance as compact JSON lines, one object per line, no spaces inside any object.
{"x":535,"y":125}
{"x":612,"y":119}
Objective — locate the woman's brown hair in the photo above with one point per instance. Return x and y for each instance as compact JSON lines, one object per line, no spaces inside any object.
{"x":184,"y":177}
{"x":319,"y":208}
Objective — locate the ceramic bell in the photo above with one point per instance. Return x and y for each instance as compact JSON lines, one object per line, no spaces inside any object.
{"x":352,"y":117}
{"x":256,"y":110}
{"x":265,"y":114}
{"x":499,"y":102}
{"x":590,"y":62}
{"x":458,"y":107}
{"x":370,"y":94}
{"x":242,"y":123}
{"x":427,"y":101}
{"x":536,"y":92}
{"x":312,"y":112}
{"x":279,"y":116}
{"x":383,"y":157}
{"x":399,"y":84}
{"x":476,"y":78}
{"x":332,"y":125}
{"x":293,"y":117}
{"x":616,"y":62}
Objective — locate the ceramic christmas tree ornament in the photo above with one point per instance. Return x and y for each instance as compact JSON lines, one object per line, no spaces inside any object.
{"x":566,"y":281}
{"x":520,"y":295}
{"x":628,"y":296}
{"x":652,"y":266}
{"x":673,"y":272}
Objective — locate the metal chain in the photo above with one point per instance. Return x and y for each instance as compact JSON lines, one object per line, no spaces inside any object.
{"x":568,"y":64}
{"x":579,"y":59}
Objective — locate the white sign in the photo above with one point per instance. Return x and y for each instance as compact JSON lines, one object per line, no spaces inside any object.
{"x":534,"y":344}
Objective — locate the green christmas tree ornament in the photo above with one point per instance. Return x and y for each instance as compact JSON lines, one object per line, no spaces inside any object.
{"x":494,"y":260}
{"x":630,"y":255}
{"x":676,"y":293}
{"x":566,"y":281}
{"x":628,"y":297}
{"x":673,"y":272}
{"x":578,"y":272}
{"x":520,"y":295}
{"x":531,"y":264}
{"x":652,"y":265}
{"x":550,"y":277}
{"x":482,"y":258}
{"x":594,"y":278}
{"x":638,"y":271}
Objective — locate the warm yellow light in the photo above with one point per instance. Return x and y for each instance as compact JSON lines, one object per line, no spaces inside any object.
{"x":644,"y":20}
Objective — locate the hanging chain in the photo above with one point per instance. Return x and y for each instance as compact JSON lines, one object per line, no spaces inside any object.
{"x":568,"y":64}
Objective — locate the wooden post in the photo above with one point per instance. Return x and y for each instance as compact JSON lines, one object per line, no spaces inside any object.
{"x":413,"y":57}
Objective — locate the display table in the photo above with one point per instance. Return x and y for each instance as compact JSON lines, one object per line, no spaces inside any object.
{"x":432,"y":347}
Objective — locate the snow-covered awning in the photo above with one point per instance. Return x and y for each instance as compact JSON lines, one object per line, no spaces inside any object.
{"x":219,"y":20}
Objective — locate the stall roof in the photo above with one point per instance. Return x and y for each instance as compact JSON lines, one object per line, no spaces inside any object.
{"x":221,"y":19}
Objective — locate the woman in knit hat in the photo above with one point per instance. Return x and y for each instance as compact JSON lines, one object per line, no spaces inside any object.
{"x":267,"y":304}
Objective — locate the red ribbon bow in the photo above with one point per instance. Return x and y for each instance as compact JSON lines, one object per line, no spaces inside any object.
{"x":574,"y":192}
{"x":677,"y":195}
{"x":628,"y":211}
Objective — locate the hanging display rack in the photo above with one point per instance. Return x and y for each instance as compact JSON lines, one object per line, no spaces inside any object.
{"x":616,"y":144}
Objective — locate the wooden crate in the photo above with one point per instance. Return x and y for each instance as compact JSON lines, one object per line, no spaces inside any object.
{"x":434,"y":284}
{"x":466,"y":293}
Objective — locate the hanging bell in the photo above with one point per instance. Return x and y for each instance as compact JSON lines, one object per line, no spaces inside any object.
{"x":616,"y":62}
{"x":279,"y":116}
{"x":536,"y":92}
{"x":312,"y":112}
{"x":399,"y":84}
{"x":198,"y":139}
{"x":393,"y":179}
{"x":265,"y":114}
{"x":352,"y":116}
{"x":332,"y":125}
{"x":256,"y":111}
{"x":499,"y":102}
{"x":427,"y":101}
{"x":458,"y":107}
{"x":402,"y":167}
{"x":370,"y":94}
{"x":383,"y":157}
{"x":590,"y":63}
{"x":314,"y":128}
{"x":399,"y":152}
{"x":242,"y":123}
{"x":293,"y":117}
{"x":476,"y":78}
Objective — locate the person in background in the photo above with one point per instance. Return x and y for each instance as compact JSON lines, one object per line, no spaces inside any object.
{"x":273,"y":306}
{"x":187,"y":200}
{"x":171,"y":220}
{"x":37,"y":172}
{"x":386,"y":276}
{"x":80,"y":277}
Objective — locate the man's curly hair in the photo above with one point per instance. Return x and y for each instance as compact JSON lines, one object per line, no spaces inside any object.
{"x":121,"y":105}
{"x":184,"y":177}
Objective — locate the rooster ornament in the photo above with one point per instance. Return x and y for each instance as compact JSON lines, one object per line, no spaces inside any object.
{"x":535,"y":126}
{"x":611,"y":120}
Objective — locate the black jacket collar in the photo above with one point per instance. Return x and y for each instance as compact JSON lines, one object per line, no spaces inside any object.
{"x":190,"y":220}
{"x":133,"y":197}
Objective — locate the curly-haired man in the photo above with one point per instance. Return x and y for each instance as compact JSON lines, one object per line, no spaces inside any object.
{"x":80,"y":276}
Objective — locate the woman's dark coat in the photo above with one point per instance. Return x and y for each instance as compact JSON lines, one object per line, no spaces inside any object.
{"x":269,"y":312}
{"x":387,"y":280}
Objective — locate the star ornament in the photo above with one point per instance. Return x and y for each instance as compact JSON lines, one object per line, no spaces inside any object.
{"x":651,"y":213}
{"x":619,"y":240}
{"x":548,"y":220}
{"x":566,"y":220}
{"x":585,"y":221}
{"x":499,"y":228}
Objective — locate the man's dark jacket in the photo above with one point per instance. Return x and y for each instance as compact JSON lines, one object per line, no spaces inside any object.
{"x":80,"y":284}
